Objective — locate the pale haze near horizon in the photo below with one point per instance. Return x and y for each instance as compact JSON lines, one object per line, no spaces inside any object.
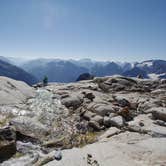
{"x":114,"y":30}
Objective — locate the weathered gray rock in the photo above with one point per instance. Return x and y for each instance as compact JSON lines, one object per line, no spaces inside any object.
{"x":122,"y":102}
{"x":106,"y":121}
{"x":159,"y":113}
{"x":117,"y":121}
{"x":103,"y":86}
{"x":72,"y":101}
{"x":26,"y":147}
{"x":104,"y":109}
{"x":14,"y":92}
{"x":7,"y":143}
{"x":148,"y":104}
{"x":101,"y":109}
{"x":159,"y":91}
{"x":30,"y":127}
{"x":116,"y":83}
{"x":88,"y":115}
{"x":148,"y":126}
{"x":160,"y":122}
{"x":109,"y":133}
{"x":98,"y":119}
{"x":114,"y":120}
{"x":144,"y":151}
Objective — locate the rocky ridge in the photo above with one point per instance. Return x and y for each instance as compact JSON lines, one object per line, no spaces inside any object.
{"x":105,"y":121}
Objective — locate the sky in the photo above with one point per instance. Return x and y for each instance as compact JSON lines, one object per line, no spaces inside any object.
{"x":114,"y":30}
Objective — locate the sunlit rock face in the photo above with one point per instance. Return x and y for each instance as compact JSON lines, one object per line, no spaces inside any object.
{"x":14,"y":92}
{"x":13,"y":97}
{"x":123,"y":120}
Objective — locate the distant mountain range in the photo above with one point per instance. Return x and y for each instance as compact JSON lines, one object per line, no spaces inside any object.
{"x":58,"y":70}
{"x":148,"y":69}
{"x":9,"y":70}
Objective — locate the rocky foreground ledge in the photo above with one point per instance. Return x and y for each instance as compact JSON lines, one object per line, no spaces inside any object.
{"x":101,"y":122}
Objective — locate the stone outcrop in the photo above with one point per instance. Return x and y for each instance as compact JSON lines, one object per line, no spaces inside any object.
{"x":72,"y":101}
{"x":14,"y":92}
{"x":133,"y":150}
{"x":101,"y":109}
{"x":30,"y":127}
{"x":123,"y":119}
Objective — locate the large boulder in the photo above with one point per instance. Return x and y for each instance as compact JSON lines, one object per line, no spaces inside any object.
{"x":14,"y":92}
{"x":117,"y":121}
{"x":7,"y":143}
{"x":30,"y":127}
{"x":125,"y":81}
{"x":116,"y":83}
{"x":106,"y":121}
{"x":101,"y":109}
{"x":72,"y":101}
{"x":114,"y":120}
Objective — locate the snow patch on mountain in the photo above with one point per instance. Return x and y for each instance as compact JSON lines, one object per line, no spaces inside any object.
{"x":156,"y":76}
{"x":146,"y":63}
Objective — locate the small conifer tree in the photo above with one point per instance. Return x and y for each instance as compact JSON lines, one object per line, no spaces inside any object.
{"x":45,"y":81}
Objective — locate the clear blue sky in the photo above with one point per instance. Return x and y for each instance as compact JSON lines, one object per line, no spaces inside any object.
{"x":119,"y":30}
